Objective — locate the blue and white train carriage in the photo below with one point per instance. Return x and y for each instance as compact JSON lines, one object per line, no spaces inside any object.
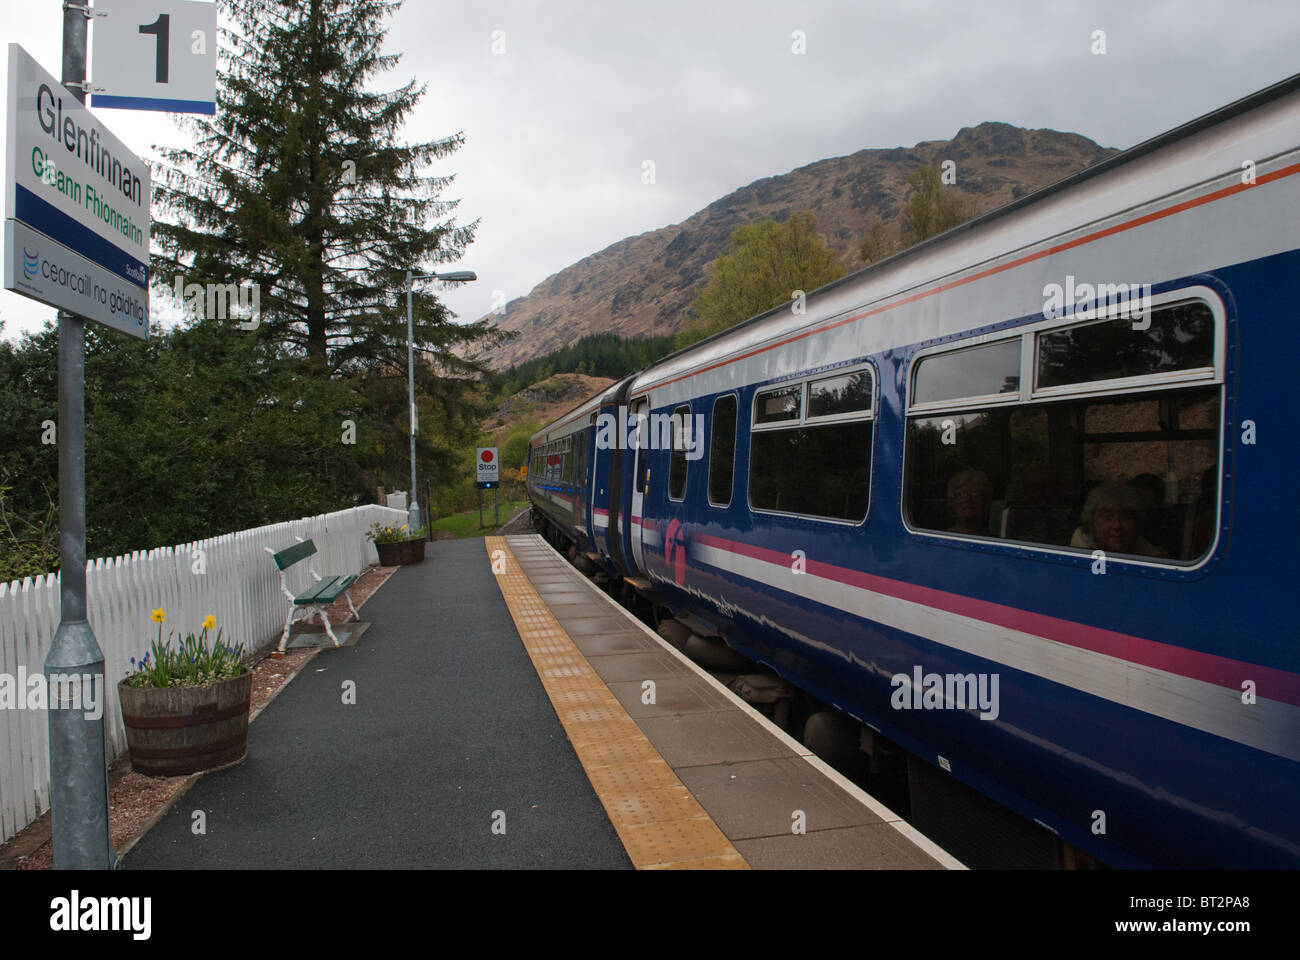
{"x":1044,"y":464}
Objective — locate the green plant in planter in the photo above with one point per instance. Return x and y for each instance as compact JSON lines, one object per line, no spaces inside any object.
{"x":395,"y":533}
{"x":187,"y":663}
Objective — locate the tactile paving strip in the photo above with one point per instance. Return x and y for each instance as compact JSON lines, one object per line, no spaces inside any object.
{"x":662,"y":826}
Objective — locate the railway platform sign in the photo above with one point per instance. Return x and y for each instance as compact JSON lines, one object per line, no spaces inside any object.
{"x":155,"y":55}
{"x":76,"y":231}
{"x":488,"y":469}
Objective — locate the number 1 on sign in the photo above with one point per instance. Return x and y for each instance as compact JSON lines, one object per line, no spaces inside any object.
{"x":162,"y":42}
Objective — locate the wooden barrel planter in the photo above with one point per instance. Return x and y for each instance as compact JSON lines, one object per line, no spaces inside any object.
{"x":172,"y":731}
{"x":401,"y":552}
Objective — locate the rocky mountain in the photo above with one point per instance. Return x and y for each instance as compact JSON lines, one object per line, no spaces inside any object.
{"x":644,"y":284}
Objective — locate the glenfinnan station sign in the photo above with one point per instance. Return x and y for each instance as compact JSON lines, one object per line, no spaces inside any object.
{"x":76,"y":205}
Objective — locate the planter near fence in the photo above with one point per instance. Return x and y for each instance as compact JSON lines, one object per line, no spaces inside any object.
{"x":400,"y":553}
{"x":172,"y":731}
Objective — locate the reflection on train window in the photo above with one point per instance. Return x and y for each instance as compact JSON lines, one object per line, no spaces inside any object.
{"x":1180,"y":337}
{"x":677,"y":468}
{"x":1133,"y":471}
{"x":579,"y":458}
{"x":972,"y":372}
{"x":776,"y":406}
{"x":822,"y":471}
{"x":804,"y":465}
{"x":850,"y":393}
{"x":722,"y":450}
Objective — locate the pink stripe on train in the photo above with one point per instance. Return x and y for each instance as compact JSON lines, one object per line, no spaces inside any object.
{"x":1207,"y":667}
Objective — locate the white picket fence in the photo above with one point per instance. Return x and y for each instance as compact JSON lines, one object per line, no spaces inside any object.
{"x":230,"y":577}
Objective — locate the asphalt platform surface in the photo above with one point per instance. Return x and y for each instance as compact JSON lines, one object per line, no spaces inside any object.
{"x":450,"y":730}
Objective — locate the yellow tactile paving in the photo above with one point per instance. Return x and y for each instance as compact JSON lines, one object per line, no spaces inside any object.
{"x":712,"y":863}
{"x":661,"y":825}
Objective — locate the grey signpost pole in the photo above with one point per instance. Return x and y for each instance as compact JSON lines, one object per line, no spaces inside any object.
{"x":78,"y":773}
{"x":413,"y":515}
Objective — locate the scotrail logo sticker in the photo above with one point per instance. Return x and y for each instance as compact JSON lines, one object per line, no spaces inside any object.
{"x":31,"y":263}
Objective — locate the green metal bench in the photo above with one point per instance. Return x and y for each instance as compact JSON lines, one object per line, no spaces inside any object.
{"x":317,"y":597}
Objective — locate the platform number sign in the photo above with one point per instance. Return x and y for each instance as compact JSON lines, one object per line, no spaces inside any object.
{"x":488,"y":469}
{"x":155,"y":55}
{"x":161,"y":29}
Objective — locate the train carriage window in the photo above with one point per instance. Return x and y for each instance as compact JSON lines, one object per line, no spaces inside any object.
{"x":803,"y":462}
{"x":638,"y":441}
{"x":972,"y":372}
{"x":722,"y":450}
{"x":681,"y":428}
{"x":1131,"y":468}
{"x":850,"y":393}
{"x":775,"y":406}
{"x":1179,"y":338}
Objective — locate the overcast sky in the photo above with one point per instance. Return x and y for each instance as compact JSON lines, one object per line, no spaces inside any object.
{"x":563,"y":102}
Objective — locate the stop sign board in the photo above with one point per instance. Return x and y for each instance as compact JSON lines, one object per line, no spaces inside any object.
{"x":487,"y":467}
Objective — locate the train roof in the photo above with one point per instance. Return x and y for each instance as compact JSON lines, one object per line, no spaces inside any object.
{"x":594,"y":402}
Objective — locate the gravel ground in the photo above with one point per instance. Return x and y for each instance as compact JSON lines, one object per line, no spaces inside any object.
{"x":135,"y":802}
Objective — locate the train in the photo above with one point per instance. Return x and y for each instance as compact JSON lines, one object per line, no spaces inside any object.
{"x":1016,"y":505}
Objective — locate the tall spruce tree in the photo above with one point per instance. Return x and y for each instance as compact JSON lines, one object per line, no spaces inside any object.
{"x":301,"y":185}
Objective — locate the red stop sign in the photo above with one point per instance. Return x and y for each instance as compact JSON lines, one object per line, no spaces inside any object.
{"x":487,"y":456}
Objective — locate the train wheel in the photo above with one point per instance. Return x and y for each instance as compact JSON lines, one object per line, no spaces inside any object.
{"x":835,"y":738}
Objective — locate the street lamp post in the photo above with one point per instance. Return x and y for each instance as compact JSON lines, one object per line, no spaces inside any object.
{"x":413,"y":513}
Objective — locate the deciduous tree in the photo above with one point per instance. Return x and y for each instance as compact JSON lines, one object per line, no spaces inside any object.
{"x":767,"y":263}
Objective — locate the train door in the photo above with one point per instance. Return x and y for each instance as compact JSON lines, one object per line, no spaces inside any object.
{"x":640,"y":474}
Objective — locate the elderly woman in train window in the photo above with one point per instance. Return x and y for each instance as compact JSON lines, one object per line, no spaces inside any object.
{"x":1112,"y":521}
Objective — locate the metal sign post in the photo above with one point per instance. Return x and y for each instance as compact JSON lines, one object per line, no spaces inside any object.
{"x":487,"y":474}
{"x":76,"y":237}
{"x":78,"y":771}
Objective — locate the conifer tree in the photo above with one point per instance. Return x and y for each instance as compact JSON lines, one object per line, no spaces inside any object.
{"x":301,"y":184}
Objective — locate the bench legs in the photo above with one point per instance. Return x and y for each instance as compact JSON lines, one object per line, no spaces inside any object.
{"x":284,"y":637}
{"x":329,"y":630}
{"x":324,"y":618}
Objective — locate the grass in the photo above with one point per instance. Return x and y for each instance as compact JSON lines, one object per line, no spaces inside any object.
{"x":462,"y":525}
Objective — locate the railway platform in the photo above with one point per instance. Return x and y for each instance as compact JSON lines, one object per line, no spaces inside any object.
{"x":502,"y":712}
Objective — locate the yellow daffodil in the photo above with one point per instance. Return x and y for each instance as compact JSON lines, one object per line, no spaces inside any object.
{"x":159,"y":616}
{"x":209,"y":622}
